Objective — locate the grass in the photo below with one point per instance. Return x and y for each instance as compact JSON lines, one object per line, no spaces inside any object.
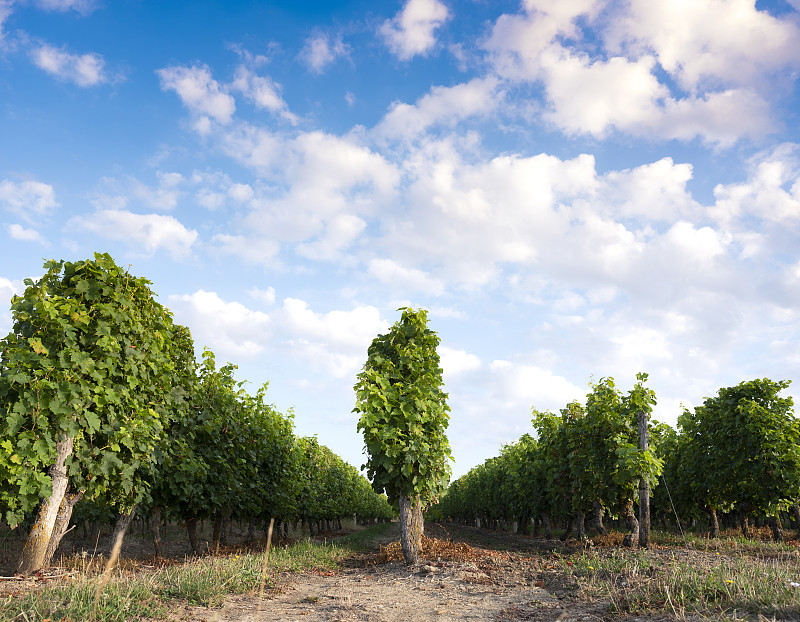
{"x":720,"y":579}
{"x":728,"y":578}
{"x":135,"y":595}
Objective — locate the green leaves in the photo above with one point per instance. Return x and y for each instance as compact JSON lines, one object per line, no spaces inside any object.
{"x":403,"y":410}
{"x":741,"y":447}
{"x":67,"y":368}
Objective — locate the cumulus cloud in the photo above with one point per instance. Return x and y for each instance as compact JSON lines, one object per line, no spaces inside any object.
{"x":253,"y":250}
{"x":709,"y":44}
{"x":230,"y":329}
{"x":166,"y":195}
{"x":411,"y":31}
{"x":266,"y":296}
{"x":18,"y":232}
{"x":200,"y":93}
{"x":653,"y":192}
{"x":320,"y":51}
{"x":146,"y":233}
{"x":711,"y":52}
{"x":336,"y":341}
{"x":31,"y":200}
{"x":531,"y":385}
{"x":328,"y":184}
{"x":392,"y":273}
{"x":441,"y":106}
{"x":81,"y":69}
{"x":455,"y":362}
{"x":771,"y":191}
{"x":472,"y":217}
{"x":263,"y":92}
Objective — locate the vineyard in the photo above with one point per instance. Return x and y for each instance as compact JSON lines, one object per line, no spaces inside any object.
{"x":734,"y":459}
{"x":107,"y":416}
{"x":109,"y":420}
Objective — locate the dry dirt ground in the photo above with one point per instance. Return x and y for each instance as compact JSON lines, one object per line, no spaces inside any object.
{"x":454,"y":581}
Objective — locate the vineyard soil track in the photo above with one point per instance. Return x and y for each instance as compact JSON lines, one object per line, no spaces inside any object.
{"x":503,"y":581}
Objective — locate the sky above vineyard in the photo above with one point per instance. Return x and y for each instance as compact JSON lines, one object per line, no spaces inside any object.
{"x":573,"y":189}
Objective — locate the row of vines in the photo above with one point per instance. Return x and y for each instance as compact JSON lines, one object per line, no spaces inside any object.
{"x":107,"y":412}
{"x":736,"y":457}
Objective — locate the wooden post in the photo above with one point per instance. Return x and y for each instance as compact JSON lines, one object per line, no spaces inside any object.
{"x":644,"y":487}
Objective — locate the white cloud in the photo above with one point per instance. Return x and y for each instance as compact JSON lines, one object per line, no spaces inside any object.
{"x":8,"y":289}
{"x":81,"y":6}
{"x":263,"y":92}
{"x":716,"y":83}
{"x":455,"y":362}
{"x":531,"y":385}
{"x":230,"y":329}
{"x":82,"y":69}
{"x":654,"y":192}
{"x":253,"y":250}
{"x":5,"y":13}
{"x":592,"y":96}
{"x":143,"y":232}
{"x":327,"y":185}
{"x":166,"y":195}
{"x":200,"y":93}
{"x":266,"y":296}
{"x":771,"y":192}
{"x":340,"y":231}
{"x":336,"y":341}
{"x":241,"y":193}
{"x":696,"y":246}
{"x":392,"y":273}
{"x":411,"y":31}
{"x":518,"y":43}
{"x":468,"y":219}
{"x":18,"y":232}
{"x":320,"y":51}
{"x":708,"y":42}
{"x":31,"y":200}
{"x":442,"y":105}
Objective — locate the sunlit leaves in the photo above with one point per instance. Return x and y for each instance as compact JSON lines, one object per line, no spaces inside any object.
{"x":403,"y":411}
{"x":68,"y":369}
{"x":743,"y":447}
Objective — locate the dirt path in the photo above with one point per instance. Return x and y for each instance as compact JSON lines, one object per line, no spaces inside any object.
{"x":460,"y":583}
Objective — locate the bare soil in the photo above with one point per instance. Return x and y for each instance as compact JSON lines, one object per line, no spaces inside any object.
{"x":500,"y":577}
{"x":464,"y":574}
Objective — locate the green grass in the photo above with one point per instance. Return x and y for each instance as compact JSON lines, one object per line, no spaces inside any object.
{"x":205,"y":581}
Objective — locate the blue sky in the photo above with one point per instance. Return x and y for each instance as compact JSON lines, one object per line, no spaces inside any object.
{"x":574,"y":190}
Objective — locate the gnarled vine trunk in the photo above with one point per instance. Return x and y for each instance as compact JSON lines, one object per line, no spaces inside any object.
{"x":411,"y":528}
{"x":155,"y":529}
{"x":124,"y":519}
{"x":568,"y":531}
{"x":191,"y":530}
{"x":221,"y":519}
{"x":35,"y":551}
{"x":548,"y":530}
{"x":744,"y":520}
{"x":598,"y":516}
{"x":62,"y":523}
{"x":713,"y":522}
{"x":580,"y":521}
{"x":777,"y":527}
{"x":632,"y":537}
